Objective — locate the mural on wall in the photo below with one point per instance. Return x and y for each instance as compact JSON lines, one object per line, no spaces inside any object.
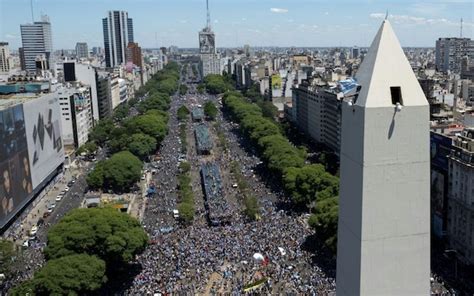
{"x":15,"y":173}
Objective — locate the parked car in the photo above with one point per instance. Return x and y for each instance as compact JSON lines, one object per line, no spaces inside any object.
{"x":176,"y":214}
{"x":33,"y":230}
{"x":59,"y":197}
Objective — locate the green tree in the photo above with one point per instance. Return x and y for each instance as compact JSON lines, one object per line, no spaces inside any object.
{"x":121,"y":171}
{"x":216,"y":84}
{"x":151,"y":125}
{"x":88,"y":148}
{"x":95,"y":178}
{"x":210,"y":110}
{"x":156,"y":100}
{"x":7,"y":252}
{"x":324,"y":221}
{"x":101,"y":132}
{"x":184,"y":167}
{"x":251,"y":207}
{"x":141,"y":145}
{"x":121,"y":112}
{"x":78,"y":274}
{"x":310,"y":183}
{"x":201,"y":88}
{"x":183,"y":113}
{"x":186,"y":212}
{"x":118,"y":173}
{"x":183,"y":89}
{"x":268,"y":109}
{"x":113,"y":236}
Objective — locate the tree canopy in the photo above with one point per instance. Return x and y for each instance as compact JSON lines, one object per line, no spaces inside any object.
{"x":141,"y":145}
{"x":7,"y":252}
{"x":101,"y":132}
{"x":77,"y":274}
{"x":183,"y":113}
{"x":217,"y":84}
{"x":119,"y":173}
{"x":210,"y":110}
{"x":154,"y":126}
{"x":113,"y":236}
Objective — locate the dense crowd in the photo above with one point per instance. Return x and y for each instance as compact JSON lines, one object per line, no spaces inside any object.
{"x":224,"y":259}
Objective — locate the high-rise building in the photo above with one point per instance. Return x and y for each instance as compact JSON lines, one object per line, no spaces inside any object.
{"x":384,"y":205}
{"x":134,"y":54}
{"x":37,"y":42}
{"x":355,"y":52}
{"x":317,"y":113}
{"x":82,"y":51}
{"x":21,"y":53}
{"x":4,"y":57}
{"x":104,"y":94}
{"x":118,"y":32}
{"x":450,"y":52}
{"x":96,"y":50}
{"x":76,"y":114}
{"x":210,"y":59}
{"x":461,"y":196}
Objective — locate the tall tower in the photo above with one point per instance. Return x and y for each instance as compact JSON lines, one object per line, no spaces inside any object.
{"x":384,"y":216}
{"x":118,"y":32}
{"x":4,"y":58}
{"x":37,"y":43}
{"x":210,"y":60}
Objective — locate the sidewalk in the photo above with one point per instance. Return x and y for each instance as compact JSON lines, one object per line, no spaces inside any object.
{"x":20,"y":229}
{"x":138,"y":202}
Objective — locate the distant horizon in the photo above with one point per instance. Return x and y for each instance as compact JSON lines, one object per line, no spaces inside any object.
{"x":235,"y":22}
{"x":241,"y":47}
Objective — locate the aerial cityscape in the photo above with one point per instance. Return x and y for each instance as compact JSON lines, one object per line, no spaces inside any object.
{"x":238,"y":147}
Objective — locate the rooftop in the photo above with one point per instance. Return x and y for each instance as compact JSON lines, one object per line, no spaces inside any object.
{"x":7,"y":101}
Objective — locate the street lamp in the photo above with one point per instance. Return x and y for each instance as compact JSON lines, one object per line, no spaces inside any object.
{"x":455,"y":252}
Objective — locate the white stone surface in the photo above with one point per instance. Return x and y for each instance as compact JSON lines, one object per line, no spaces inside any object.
{"x":384,"y":206}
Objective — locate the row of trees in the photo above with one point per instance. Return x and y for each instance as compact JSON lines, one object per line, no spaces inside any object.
{"x":217,"y":84}
{"x":85,"y":249}
{"x":307,"y":184}
{"x":131,"y":140}
{"x":250,"y":201}
{"x":185,"y":193}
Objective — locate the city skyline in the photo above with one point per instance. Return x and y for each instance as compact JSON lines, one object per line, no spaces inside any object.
{"x":262,"y":23}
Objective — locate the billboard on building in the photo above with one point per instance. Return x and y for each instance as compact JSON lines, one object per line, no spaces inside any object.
{"x":276,"y":82}
{"x":15,"y":173}
{"x":438,"y":201}
{"x":43,"y":134}
{"x":441,"y":146}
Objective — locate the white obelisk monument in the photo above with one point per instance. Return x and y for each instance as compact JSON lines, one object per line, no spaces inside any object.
{"x":384,"y":207}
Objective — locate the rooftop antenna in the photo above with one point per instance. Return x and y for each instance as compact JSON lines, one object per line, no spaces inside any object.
{"x":208,"y":15}
{"x":32,"y":15}
{"x":386,"y":15}
{"x":461,"y":27}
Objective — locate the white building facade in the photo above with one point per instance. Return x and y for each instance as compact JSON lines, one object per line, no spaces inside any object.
{"x":76,"y":114}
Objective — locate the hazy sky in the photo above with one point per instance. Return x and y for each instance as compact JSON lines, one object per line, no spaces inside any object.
{"x":238,"y":22}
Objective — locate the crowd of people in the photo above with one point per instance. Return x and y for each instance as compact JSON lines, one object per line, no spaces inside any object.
{"x":264,"y":256}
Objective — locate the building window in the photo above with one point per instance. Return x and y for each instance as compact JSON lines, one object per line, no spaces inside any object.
{"x":396,"y":93}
